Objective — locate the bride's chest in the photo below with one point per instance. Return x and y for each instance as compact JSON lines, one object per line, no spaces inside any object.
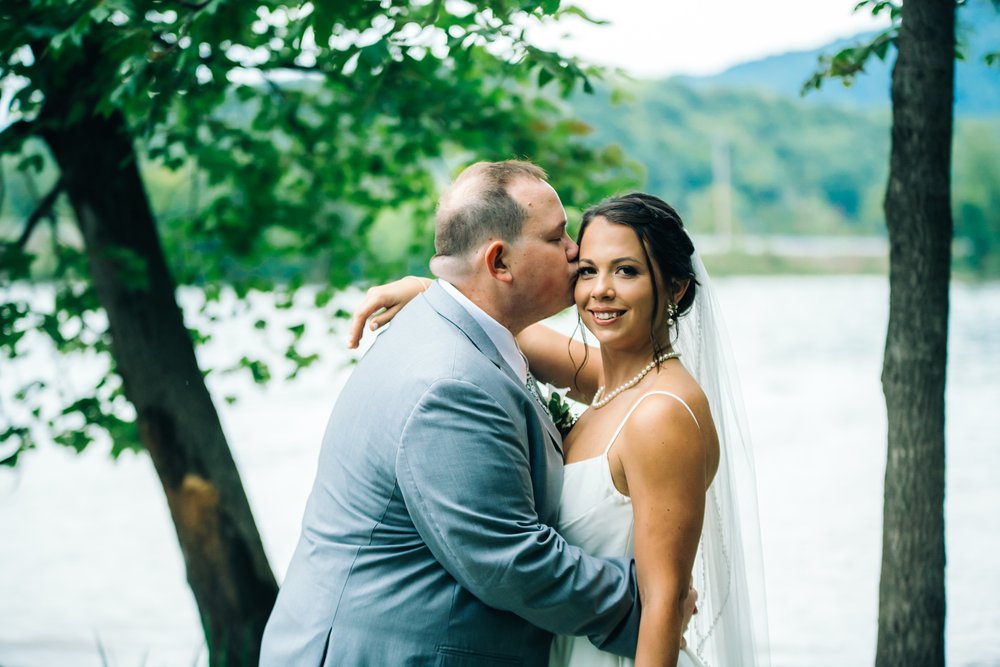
{"x":592,"y":433}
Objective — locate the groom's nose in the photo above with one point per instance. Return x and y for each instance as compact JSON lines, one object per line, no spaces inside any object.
{"x":572,"y":251}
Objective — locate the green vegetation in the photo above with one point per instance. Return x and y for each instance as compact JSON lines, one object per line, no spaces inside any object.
{"x":252,"y":146}
{"x":793,"y":167}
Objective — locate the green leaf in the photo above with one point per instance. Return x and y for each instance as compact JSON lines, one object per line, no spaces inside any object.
{"x":33,"y":162}
{"x":550,"y":6}
{"x":12,"y":314}
{"x":544,"y":76}
{"x":373,"y":56}
{"x":259,"y":370}
{"x":880,"y":48}
{"x":323,"y":297}
{"x":75,"y":440}
{"x":23,"y":442}
{"x":573,"y":10}
{"x":323,"y":18}
{"x":300,"y":362}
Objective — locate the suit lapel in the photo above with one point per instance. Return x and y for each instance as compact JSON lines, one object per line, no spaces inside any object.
{"x":452,"y":311}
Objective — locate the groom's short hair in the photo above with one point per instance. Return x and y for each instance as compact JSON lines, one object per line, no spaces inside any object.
{"x":477,"y":206}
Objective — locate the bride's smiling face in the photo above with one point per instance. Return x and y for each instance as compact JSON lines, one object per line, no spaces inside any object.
{"x":614,"y":290}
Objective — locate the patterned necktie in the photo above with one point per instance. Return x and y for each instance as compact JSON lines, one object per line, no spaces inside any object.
{"x":533,"y":390}
{"x":530,"y":383}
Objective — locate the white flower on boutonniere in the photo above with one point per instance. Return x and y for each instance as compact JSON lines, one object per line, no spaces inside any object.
{"x":560,"y":411}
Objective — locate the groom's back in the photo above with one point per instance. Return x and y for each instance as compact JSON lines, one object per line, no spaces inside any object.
{"x":363,"y":586}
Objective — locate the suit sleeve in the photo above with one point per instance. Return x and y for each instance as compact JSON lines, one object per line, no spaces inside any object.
{"x":463,"y":471}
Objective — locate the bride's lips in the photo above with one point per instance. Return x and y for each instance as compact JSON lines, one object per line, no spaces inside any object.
{"x":605,"y":316}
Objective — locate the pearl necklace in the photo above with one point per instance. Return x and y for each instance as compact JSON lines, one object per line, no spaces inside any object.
{"x":599,"y":402}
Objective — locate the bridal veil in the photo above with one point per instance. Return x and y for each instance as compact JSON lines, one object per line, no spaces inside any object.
{"x":730,"y":628}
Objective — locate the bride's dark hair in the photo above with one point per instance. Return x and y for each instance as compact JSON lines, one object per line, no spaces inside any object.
{"x":665,"y":245}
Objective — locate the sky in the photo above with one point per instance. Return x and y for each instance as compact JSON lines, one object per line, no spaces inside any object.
{"x":659,"y":38}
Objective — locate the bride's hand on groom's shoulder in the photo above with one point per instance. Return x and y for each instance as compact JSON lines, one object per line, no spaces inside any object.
{"x":381,"y":303}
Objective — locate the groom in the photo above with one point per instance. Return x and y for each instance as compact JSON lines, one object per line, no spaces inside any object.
{"x":427,"y":537}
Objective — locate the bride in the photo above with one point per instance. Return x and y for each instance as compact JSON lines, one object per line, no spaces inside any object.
{"x":655,"y":465}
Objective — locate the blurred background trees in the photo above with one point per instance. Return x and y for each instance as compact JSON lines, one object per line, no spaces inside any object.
{"x":919,"y":217}
{"x":147,"y":146}
{"x":296,"y":131}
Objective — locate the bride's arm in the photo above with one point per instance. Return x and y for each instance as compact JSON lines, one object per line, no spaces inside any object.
{"x":664,"y":460}
{"x":553,"y":357}
{"x":561,"y":361}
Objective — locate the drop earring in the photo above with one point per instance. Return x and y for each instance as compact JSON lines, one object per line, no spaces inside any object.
{"x":671,"y":314}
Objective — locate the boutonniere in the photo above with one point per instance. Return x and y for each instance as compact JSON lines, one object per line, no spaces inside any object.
{"x":559,"y":410}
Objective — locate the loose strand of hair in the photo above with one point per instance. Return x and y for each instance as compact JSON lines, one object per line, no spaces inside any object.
{"x":586,"y":351}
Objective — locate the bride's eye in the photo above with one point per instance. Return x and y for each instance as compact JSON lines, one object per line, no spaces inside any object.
{"x":585,"y":271}
{"x":628,"y":271}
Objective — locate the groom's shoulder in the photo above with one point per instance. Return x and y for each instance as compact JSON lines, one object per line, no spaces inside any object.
{"x":422,"y":334}
{"x":422,"y":342}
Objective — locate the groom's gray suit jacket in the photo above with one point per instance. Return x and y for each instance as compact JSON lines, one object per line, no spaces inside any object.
{"x":427,"y":538}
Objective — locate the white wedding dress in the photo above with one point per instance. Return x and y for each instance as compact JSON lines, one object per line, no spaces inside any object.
{"x":596,"y":517}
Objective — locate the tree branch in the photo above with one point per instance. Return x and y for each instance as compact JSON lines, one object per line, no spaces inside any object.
{"x":194,"y":6}
{"x":43,"y":210}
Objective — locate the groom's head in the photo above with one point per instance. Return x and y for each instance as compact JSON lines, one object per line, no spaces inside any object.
{"x":500,"y":237}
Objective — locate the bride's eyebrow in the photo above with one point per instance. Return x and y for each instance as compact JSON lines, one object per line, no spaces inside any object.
{"x":616,"y":260}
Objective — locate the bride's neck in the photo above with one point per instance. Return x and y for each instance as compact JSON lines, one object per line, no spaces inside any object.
{"x":620,"y":366}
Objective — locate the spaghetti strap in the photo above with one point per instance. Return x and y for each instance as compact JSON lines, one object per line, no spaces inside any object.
{"x":636,"y":404}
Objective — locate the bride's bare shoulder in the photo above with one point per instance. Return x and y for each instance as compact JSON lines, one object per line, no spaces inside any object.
{"x":684,"y":389}
{"x":668,"y":408}
{"x":674,"y":422}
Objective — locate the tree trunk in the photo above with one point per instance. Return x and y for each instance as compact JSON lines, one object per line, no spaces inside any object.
{"x":918,"y":213}
{"x":226,"y":565}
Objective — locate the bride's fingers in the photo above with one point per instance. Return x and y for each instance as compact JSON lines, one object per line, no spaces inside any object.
{"x":384,"y":317}
{"x":380,"y":305}
{"x":366,"y":309}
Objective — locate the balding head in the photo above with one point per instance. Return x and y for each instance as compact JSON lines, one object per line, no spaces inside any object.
{"x":478,"y":206}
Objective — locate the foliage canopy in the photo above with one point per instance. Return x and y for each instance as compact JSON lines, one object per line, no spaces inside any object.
{"x":289,"y":130}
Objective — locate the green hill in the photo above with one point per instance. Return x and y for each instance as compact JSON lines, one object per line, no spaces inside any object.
{"x":765,"y":163}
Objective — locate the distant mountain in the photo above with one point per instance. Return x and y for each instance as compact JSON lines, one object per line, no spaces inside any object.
{"x":977,"y":85}
{"x":769,"y":164}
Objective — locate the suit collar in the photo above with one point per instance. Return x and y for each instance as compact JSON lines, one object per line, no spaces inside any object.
{"x":448,"y":308}
{"x":499,"y":335}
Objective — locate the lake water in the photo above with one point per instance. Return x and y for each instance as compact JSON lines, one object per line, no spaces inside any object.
{"x":89,"y":563}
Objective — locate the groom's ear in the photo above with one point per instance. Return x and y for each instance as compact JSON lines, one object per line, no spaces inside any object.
{"x":496,"y":257}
